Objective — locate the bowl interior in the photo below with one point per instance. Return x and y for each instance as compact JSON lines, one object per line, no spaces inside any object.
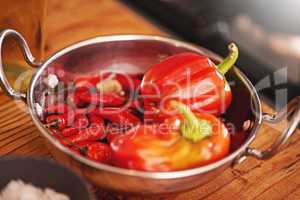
{"x":42,"y":174}
{"x":137,"y":54}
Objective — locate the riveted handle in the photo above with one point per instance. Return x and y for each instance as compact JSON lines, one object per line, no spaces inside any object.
{"x":293,"y":111}
{"x":27,"y":56}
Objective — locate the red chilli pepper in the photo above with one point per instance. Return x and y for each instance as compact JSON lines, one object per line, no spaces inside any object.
{"x":53,"y":132}
{"x":134,"y":104}
{"x":88,"y":134}
{"x":95,"y":120}
{"x":102,"y":100}
{"x":74,"y":97}
{"x":128,"y":82}
{"x":111,"y":136}
{"x":84,"y":144}
{"x":80,"y":147}
{"x":87,"y":81}
{"x":59,"y":108}
{"x":112,"y":132}
{"x":80,"y":121}
{"x":192,"y":79}
{"x":183,"y":141}
{"x":53,"y":99}
{"x":69,"y":131}
{"x":117,"y":116}
{"x":99,"y":152}
{"x":57,"y":121}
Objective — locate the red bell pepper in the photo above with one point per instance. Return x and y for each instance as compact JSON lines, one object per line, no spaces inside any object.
{"x":192,"y":79}
{"x":183,"y":141}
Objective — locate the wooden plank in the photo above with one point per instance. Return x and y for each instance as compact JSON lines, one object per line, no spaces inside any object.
{"x":252,"y":177}
{"x":76,"y":20}
{"x":262,"y":178}
{"x":284,"y":187}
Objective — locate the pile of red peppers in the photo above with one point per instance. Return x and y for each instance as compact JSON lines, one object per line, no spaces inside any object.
{"x":164,"y":120}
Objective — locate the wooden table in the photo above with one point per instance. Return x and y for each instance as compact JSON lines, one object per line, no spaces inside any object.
{"x":74,"y":20}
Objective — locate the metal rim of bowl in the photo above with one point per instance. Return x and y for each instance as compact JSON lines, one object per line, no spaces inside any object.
{"x":152,"y":175}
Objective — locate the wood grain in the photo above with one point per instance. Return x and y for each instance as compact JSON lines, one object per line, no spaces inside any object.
{"x":73,"y":20}
{"x":76,"y":20}
{"x":18,"y":135}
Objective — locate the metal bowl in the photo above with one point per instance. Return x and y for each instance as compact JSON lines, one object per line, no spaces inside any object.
{"x":136,"y":53}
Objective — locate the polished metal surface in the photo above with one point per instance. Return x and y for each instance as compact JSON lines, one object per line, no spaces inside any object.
{"x":27,"y":55}
{"x":136,"y":53}
{"x":292,"y":109}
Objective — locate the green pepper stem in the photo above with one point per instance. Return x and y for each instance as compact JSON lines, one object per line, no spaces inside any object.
{"x":192,"y":128}
{"x":53,"y":124}
{"x":229,"y":61}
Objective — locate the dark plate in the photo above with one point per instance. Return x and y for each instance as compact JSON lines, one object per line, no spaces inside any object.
{"x":42,"y":173}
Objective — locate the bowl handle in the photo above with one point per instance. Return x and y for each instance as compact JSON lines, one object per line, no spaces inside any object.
{"x":292,"y":111}
{"x":28,"y":58}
